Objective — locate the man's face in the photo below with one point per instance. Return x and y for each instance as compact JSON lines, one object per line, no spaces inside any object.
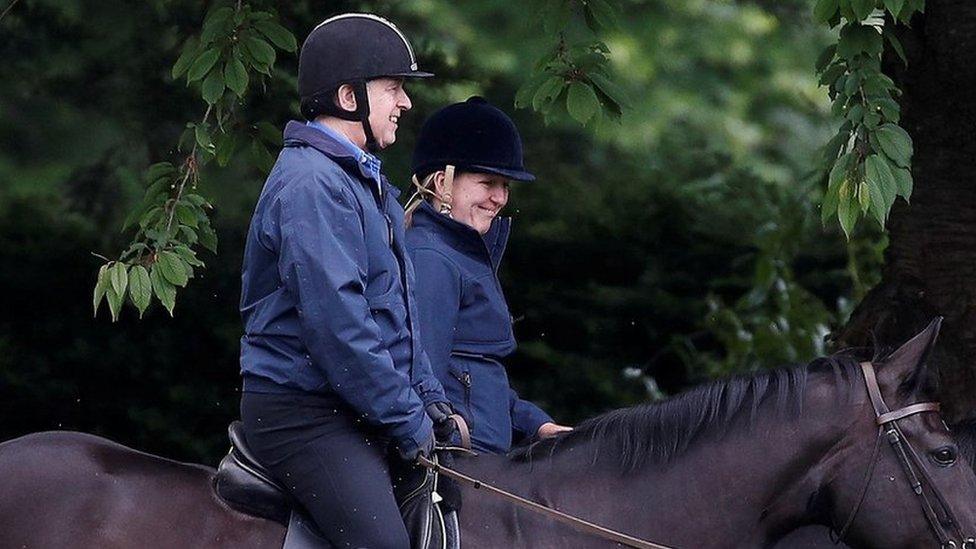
{"x":387,"y":100}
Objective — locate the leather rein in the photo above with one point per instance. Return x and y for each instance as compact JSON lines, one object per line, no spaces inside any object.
{"x":911,"y":463}
{"x":888,"y":428}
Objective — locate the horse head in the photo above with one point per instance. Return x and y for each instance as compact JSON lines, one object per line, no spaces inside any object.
{"x":901,"y":482}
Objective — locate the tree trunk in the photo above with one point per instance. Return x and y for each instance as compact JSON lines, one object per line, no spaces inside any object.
{"x":930,"y":263}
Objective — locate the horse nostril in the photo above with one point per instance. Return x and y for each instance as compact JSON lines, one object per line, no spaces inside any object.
{"x":969,"y":543}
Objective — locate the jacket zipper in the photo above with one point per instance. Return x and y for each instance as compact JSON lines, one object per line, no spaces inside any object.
{"x":465,"y":379}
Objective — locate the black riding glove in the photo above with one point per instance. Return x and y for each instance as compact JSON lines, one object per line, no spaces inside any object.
{"x":411,"y":455}
{"x":445,"y":429}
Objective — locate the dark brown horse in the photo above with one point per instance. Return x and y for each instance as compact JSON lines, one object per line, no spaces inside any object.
{"x":735,"y":463}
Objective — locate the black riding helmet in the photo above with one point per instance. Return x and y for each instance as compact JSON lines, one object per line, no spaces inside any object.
{"x":351,"y":48}
{"x":473,"y":136}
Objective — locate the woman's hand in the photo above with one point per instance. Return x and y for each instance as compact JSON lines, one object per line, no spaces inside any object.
{"x":550,"y":429}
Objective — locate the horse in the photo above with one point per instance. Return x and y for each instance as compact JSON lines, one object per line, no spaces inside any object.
{"x":734,"y":463}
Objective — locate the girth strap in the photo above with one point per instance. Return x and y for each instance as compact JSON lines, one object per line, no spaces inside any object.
{"x":578,"y":524}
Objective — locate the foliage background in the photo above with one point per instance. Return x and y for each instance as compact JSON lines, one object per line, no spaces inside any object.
{"x":680,"y":243}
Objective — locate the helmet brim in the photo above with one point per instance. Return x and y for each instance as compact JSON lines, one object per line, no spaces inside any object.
{"x":515,"y":175}
{"x":410,"y":74}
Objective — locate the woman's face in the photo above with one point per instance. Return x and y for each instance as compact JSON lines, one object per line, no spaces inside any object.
{"x":476,"y":198}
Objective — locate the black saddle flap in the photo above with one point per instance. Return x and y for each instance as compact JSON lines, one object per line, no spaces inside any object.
{"x":248,"y":487}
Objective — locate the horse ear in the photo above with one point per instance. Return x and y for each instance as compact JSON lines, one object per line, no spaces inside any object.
{"x":906,"y":365}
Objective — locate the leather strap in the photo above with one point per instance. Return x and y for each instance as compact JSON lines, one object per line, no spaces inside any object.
{"x":462,"y":430}
{"x":578,"y":524}
{"x":907,"y":411}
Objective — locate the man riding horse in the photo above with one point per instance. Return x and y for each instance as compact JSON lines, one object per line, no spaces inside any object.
{"x":334,"y":375}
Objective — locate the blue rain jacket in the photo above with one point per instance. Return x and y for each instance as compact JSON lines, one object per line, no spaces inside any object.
{"x":466,"y":327}
{"x":326,"y":293}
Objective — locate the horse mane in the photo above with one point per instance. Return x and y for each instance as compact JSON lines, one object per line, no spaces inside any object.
{"x":659,"y":432}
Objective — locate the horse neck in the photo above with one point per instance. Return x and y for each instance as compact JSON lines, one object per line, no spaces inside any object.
{"x":755,"y":481}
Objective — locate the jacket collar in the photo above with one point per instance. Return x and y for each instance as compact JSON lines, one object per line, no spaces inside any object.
{"x":299,"y":134}
{"x":462,"y":237}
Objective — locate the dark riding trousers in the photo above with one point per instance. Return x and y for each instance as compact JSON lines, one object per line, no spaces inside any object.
{"x":331,"y":462}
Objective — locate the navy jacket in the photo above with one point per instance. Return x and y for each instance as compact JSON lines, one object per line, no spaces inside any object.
{"x":326,"y":289}
{"x":466,"y":327}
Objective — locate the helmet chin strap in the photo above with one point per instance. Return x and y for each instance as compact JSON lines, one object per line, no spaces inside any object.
{"x":362,"y":112}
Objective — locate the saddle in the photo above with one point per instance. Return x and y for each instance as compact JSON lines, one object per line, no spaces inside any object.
{"x":248,"y":487}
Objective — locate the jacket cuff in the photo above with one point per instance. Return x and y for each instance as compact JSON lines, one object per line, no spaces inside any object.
{"x":531,"y":418}
{"x":418,"y":438}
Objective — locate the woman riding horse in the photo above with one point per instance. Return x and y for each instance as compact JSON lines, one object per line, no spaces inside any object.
{"x":465,"y":156}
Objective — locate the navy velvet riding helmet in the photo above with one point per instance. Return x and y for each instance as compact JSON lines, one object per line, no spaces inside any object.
{"x":473,"y":136}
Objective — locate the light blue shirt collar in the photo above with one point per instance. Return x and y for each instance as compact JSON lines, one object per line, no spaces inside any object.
{"x":372,"y":164}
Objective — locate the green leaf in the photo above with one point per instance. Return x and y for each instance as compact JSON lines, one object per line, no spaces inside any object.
{"x":119,"y":277}
{"x":835,"y":145}
{"x":524,"y":94}
{"x":894,"y":6}
{"x":862,"y":8}
{"x":826,"y":57}
{"x":832,"y":73}
{"x":189,"y":235}
{"x":114,"y":302}
{"x":895,"y":143}
{"x":857,"y":39}
{"x":603,"y":13}
{"x":188,"y":255}
{"x":196,"y":200}
{"x":838,"y":174}
{"x":610,"y":89}
{"x":884,"y":186}
{"x":549,"y":90}
{"x":202,"y":64}
{"x":186,"y":215}
{"x":864,"y":196}
{"x":581,"y":102}
{"x":895,"y":44}
{"x":260,"y":50}
{"x":165,"y":291}
{"x":235,"y":75}
{"x":140,"y":288}
{"x":213,"y":87}
{"x":171,"y":267}
{"x":190,"y":52}
{"x":101,"y":285}
{"x":847,"y":210}
{"x":160,"y":170}
{"x":226,"y":145}
{"x":824,"y":10}
{"x":855,"y":114}
{"x":890,"y":109}
{"x":216,"y":22}
{"x":203,"y":137}
{"x":903,"y":178}
{"x":208,"y":238}
{"x":150,"y":217}
{"x":278,"y":35}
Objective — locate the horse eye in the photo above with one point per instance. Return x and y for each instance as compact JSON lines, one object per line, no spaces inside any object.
{"x":944,"y":456}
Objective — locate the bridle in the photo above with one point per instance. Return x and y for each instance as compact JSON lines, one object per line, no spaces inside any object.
{"x":911,"y":464}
